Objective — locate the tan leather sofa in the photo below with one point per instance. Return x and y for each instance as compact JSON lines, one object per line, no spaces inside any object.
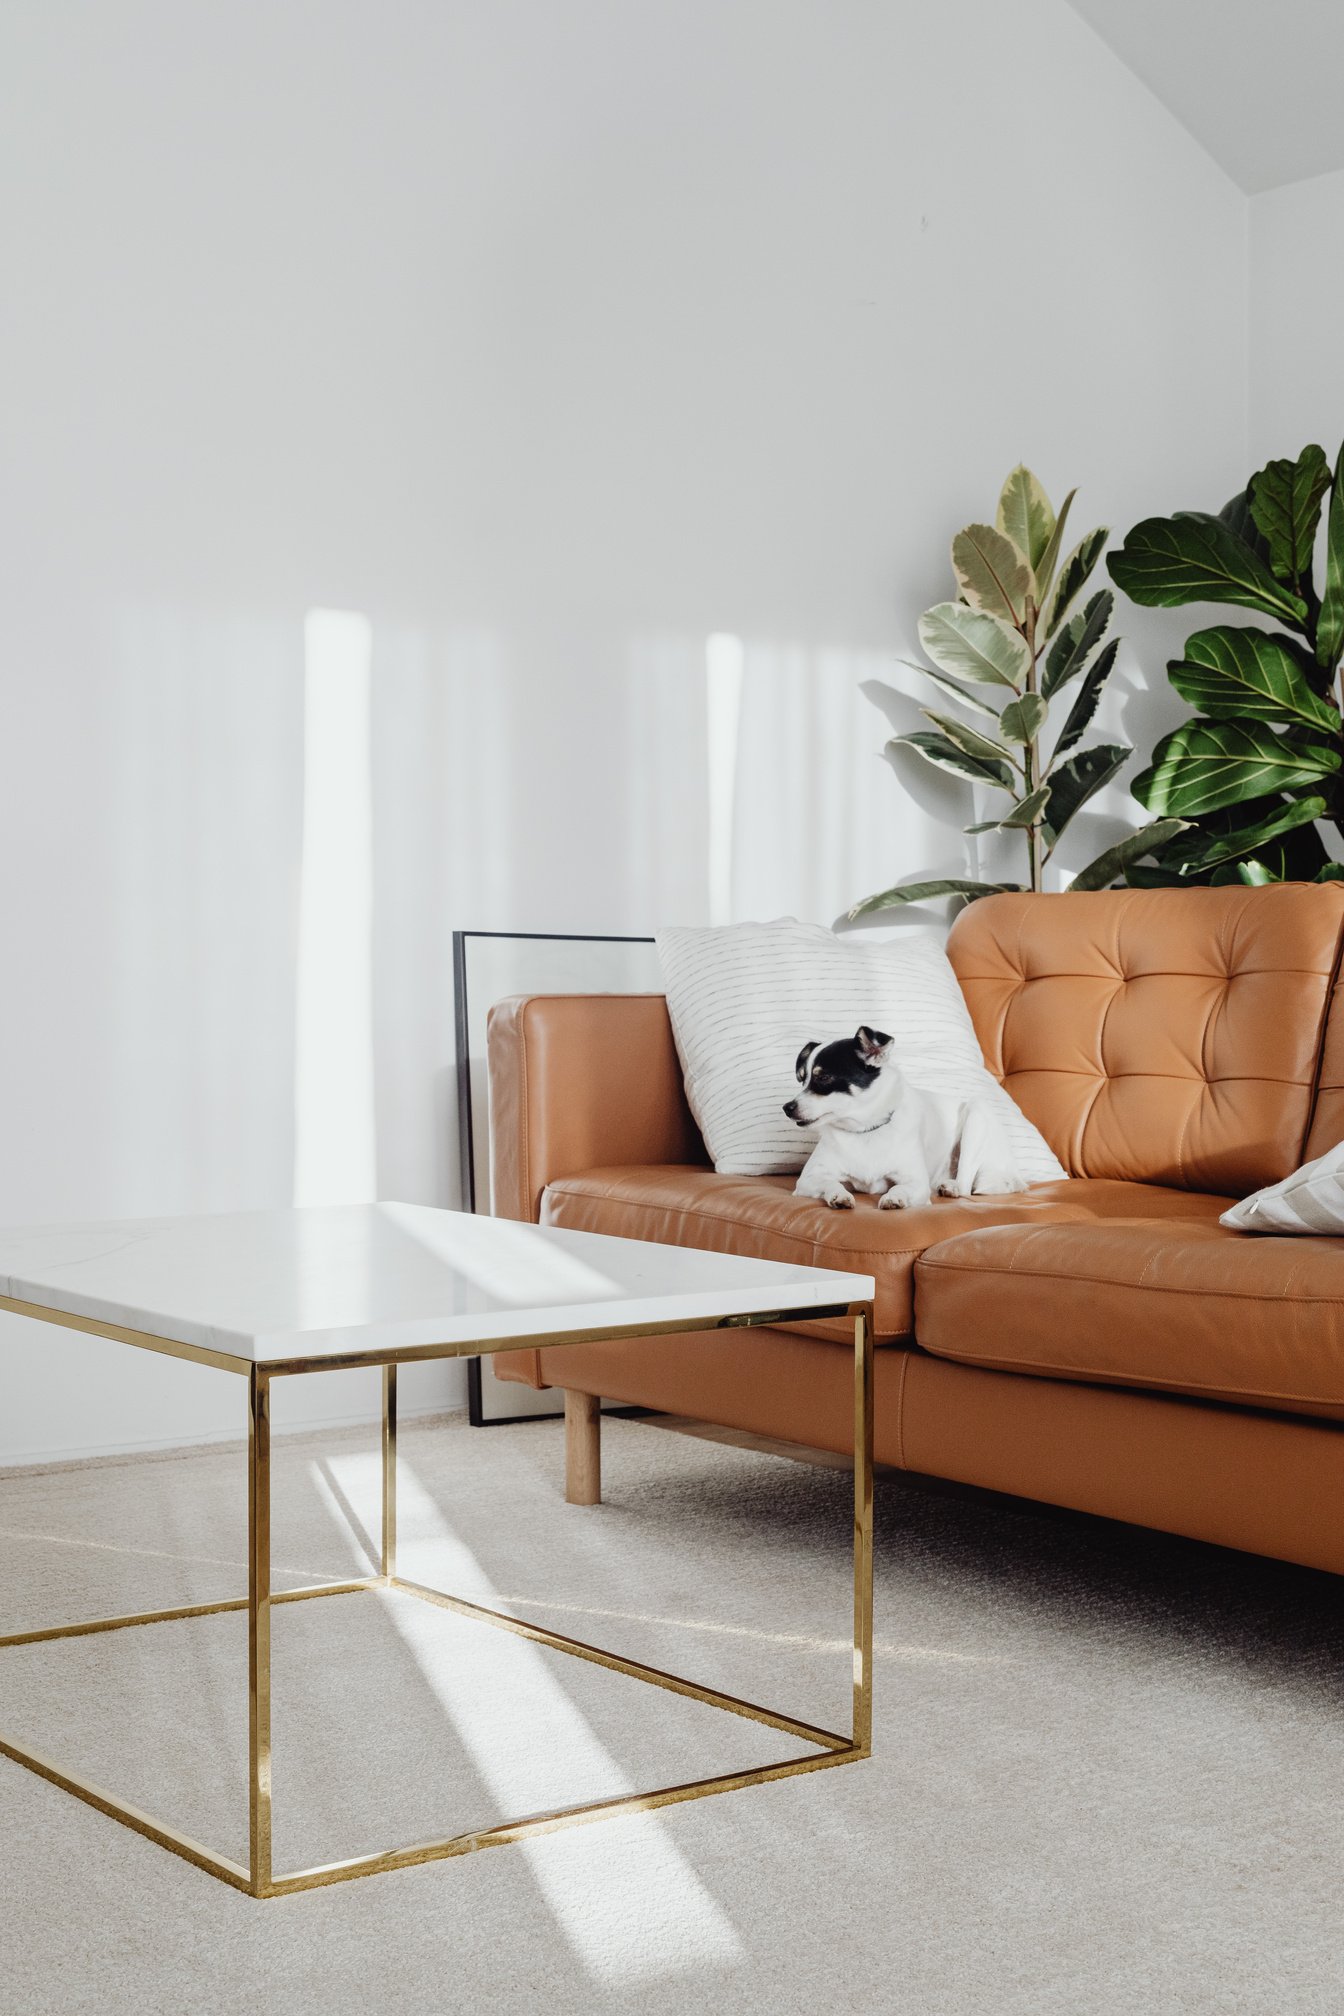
{"x":1101,"y":1343}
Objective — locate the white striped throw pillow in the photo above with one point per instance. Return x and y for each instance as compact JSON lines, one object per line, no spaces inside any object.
{"x":745,"y":998}
{"x":1310,"y":1200}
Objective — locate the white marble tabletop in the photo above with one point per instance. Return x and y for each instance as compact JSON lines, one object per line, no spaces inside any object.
{"x":337,"y":1280}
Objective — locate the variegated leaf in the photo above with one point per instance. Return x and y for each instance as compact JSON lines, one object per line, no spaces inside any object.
{"x":1087,"y":699}
{"x":970,"y":644}
{"x":1076,"y":642}
{"x":1077,"y":780}
{"x":1073,"y":577}
{"x":1049,"y":560}
{"x":923,"y":892}
{"x":945,"y":755}
{"x":1022,"y":720}
{"x":1115,"y":861}
{"x":992,"y":573}
{"x":1025,"y":515}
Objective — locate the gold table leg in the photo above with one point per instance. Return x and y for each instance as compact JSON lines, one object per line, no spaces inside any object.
{"x":389,"y":1472}
{"x":863,"y":1532}
{"x":259,"y":1630}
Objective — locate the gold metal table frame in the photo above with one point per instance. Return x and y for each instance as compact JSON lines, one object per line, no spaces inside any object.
{"x":257,"y":1878}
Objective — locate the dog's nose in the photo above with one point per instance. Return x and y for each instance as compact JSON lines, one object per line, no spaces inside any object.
{"x":791,"y":1108}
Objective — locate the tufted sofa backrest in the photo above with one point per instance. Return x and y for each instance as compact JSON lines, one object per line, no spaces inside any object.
{"x":1160,"y":1035}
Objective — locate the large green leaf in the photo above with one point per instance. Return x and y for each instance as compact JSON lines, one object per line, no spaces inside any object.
{"x":1077,"y":780}
{"x":1236,"y":515}
{"x":1330,"y":626}
{"x":965,"y":694}
{"x":1285,"y":502}
{"x":1235,"y":672}
{"x":972,"y":645}
{"x":1076,"y":642}
{"x":1205,"y":765}
{"x":1073,"y":577}
{"x":1022,"y":720}
{"x":992,"y":573}
{"x":1089,"y":694}
{"x":922,"y":892}
{"x":1199,"y":850}
{"x":1049,"y":560}
{"x":1115,"y":861}
{"x":945,"y":755}
{"x":1195,"y":558}
{"x":1025,"y":515}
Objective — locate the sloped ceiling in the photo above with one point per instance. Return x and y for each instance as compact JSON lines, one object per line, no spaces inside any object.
{"x":1257,"y":82}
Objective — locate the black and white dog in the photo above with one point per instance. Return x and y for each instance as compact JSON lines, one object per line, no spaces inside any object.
{"x":882,"y":1135}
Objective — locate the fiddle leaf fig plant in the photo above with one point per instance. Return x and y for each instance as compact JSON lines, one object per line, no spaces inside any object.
{"x":1021,"y":631}
{"x":1259,"y":767}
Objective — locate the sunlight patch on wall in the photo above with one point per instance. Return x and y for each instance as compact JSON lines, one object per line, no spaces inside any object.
{"x":334,"y":1139}
{"x":723,"y":683}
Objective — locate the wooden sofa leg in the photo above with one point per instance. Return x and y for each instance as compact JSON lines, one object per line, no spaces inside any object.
{"x":583,"y":1449}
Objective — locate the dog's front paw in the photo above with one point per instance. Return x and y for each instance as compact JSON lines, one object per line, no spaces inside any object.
{"x":901,"y":1197}
{"x":838,"y":1199}
{"x":952,"y":1186}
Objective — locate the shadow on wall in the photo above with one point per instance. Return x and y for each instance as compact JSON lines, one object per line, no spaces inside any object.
{"x":803,"y":816}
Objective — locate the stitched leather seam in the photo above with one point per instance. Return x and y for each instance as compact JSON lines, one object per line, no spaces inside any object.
{"x":1160,"y":973}
{"x":1088,"y":1375}
{"x":738,"y":1225}
{"x":1097,"y":1091}
{"x":1315,"y":1093}
{"x":813,"y":1246}
{"x":900,"y":1409}
{"x":1159,"y":1077}
{"x":929,"y":1259}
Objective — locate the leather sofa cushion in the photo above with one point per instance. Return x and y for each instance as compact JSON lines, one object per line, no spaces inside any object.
{"x":1178,"y":1307}
{"x":1160,"y":1035}
{"x":760,"y":1216}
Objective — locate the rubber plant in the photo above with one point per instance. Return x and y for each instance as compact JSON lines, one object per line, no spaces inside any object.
{"x":1258,"y":770}
{"x":1020,"y":632}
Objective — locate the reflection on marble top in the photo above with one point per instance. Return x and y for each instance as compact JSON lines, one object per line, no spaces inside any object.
{"x":335,"y":1279}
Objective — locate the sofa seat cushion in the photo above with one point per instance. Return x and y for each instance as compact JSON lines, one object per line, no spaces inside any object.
{"x":760,"y":1216}
{"x":1178,"y":1307}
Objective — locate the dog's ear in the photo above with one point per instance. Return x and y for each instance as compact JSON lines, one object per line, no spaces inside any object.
{"x":804,"y":1059}
{"x":872,"y":1044}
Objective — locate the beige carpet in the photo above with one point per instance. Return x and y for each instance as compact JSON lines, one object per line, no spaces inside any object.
{"x":1109,"y":1770}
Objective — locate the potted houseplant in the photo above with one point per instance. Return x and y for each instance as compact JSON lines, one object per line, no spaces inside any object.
{"x":1257,"y":773}
{"x":1021,"y":635}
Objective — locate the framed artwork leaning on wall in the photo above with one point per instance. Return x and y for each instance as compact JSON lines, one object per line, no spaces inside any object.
{"x":488,"y":966}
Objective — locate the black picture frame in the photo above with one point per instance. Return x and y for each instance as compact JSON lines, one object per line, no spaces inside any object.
{"x":466,"y":1117}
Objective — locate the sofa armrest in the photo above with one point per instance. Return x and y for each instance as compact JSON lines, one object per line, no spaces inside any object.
{"x":582,"y":1081}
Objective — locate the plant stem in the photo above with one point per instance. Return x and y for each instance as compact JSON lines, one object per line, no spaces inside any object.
{"x":1033,"y":760}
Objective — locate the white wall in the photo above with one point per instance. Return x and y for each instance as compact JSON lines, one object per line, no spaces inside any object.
{"x":1296,"y":314}
{"x":553,"y":338}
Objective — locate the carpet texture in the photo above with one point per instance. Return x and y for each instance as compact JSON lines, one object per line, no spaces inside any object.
{"x":1109,"y":1770}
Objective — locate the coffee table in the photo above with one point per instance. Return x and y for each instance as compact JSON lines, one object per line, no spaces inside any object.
{"x":274,"y":1294}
